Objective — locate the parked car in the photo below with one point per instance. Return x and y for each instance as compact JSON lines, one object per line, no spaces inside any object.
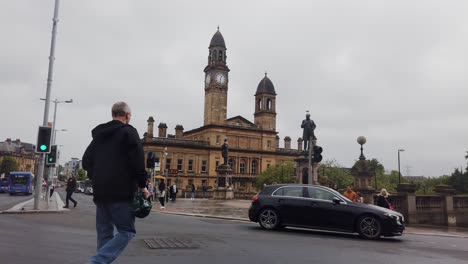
{"x":319,"y":207}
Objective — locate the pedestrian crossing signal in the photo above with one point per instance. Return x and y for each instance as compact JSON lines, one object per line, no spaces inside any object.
{"x":43,"y":139}
{"x":52,"y":156}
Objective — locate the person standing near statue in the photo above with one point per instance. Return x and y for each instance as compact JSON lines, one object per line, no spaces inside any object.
{"x":225,"y":151}
{"x":308,"y":133}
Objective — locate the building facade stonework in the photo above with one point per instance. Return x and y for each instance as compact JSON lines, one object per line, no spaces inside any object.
{"x":194,"y":155}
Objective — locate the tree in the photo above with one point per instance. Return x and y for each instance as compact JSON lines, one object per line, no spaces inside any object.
{"x":8,"y":165}
{"x":82,"y":175}
{"x":332,"y":175}
{"x":283,"y":173}
{"x":459,"y":181}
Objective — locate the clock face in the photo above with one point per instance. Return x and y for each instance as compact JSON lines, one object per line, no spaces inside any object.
{"x":220,"y":78}
{"x":208,"y":79}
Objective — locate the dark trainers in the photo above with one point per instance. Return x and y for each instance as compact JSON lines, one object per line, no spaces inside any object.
{"x":66,"y":206}
{"x":75,"y":204}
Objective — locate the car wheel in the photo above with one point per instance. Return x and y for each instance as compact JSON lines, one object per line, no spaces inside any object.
{"x":369,"y":227}
{"x":269,"y":219}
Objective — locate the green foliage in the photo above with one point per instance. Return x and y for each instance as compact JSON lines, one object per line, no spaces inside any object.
{"x":8,"y":165}
{"x":283,"y":173}
{"x":82,"y":175}
{"x":427,"y":186}
{"x":332,"y":174}
{"x":459,"y":181}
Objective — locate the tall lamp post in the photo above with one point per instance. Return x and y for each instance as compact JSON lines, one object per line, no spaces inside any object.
{"x":40,"y":172}
{"x":399,"y":173}
{"x":165,"y":172}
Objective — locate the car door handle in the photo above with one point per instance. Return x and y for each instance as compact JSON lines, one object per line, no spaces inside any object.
{"x":313,"y":204}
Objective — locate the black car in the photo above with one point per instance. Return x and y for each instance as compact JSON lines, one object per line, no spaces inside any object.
{"x":319,"y":207}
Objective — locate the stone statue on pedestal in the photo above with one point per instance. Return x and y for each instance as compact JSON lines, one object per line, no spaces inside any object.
{"x":225,"y":151}
{"x":308,"y":133}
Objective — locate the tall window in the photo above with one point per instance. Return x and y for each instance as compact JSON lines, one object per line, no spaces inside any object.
{"x":231,"y":163}
{"x":254,"y":167}
{"x":203,"y":166}
{"x":269,"y":144}
{"x":259,"y":104}
{"x":220,"y":56}
{"x":179,"y":164}
{"x":218,"y":139}
{"x":268,"y":104}
{"x":242,"y":166}
{"x":190,"y":165}
{"x":168,"y":164}
{"x":217,"y":163}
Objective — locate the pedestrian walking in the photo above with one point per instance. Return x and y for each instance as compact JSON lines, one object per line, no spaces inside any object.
{"x":193,"y":191}
{"x":162,"y":193}
{"x":383,"y":200}
{"x":204,"y":189}
{"x":115,"y":163}
{"x":71,"y":187}
{"x":360,"y":198}
{"x":173,"y":192}
{"x":149,"y":186}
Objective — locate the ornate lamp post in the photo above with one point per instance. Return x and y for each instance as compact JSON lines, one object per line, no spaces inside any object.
{"x":362,"y":140}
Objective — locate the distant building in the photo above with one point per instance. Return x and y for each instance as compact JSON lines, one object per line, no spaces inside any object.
{"x":23,"y":153}
{"x":72,"y":167}
{"x":194,"y":155}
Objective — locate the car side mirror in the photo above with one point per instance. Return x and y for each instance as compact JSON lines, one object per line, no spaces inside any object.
{"x":336,"y":200}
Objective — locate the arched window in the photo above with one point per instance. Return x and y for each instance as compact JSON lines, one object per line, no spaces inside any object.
{"x":268,"y":106}
{"x":214,"y":55}
{"x":259,"y":104}
{"x":242,"y":166}
{"x":220,"y":56}
{"x":254,"y":167}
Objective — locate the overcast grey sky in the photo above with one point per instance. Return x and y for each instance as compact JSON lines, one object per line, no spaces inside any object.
{"x":392,"y":71}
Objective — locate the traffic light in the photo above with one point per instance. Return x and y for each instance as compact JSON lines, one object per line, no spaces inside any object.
{"x":52,"y":156}
{"x":43,"y":139}
{"x":150,"y":160}
{"x":317,"y":153}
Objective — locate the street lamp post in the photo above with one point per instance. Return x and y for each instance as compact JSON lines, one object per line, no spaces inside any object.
{"x":165,"y":172}
{"x":399,"y":173}
{"x":40,"y":172}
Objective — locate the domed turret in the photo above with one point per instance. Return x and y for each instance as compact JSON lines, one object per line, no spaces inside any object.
{"x":265,"y":86}
{"x":265,"y":105}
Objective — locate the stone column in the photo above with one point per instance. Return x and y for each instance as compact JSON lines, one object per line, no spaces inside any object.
{"x":162,"y":130}
{"x":299,"y":144}
{"x":409,"y":205}
{"x":447,"y":192}
{"x":287,"y":142}
{"x":179,"y":131}
{"x":150,"y":127}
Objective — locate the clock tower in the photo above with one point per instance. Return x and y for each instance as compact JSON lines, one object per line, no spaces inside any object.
{"x":216,"y":82}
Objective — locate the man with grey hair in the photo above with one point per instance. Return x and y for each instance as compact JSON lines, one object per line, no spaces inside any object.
{"x":115,"y":163}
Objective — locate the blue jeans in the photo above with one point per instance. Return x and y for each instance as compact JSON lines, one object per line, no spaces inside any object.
{"x":108,"y":215}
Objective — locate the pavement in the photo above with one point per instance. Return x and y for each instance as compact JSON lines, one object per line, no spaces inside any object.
{"x":234,"y":210}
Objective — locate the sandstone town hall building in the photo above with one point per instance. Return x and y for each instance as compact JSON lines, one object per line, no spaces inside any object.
{"x":193,"y":156}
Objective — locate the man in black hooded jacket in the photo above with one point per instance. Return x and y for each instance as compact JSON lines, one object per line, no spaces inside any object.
{"x":115,"y":163}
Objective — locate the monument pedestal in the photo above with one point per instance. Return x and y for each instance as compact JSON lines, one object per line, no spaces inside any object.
{"x":302,"y":173}
{"x":224,"y":189}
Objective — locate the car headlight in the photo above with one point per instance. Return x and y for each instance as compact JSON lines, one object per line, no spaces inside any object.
{"x":394,"y":216}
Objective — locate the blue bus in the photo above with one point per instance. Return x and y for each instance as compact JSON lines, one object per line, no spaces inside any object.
{"x":4,"y":184}
{"x":21,"y":182}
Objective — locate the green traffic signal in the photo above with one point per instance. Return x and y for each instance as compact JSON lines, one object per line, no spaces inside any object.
{"x":43,"y":147}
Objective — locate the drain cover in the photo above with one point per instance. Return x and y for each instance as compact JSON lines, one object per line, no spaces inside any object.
{"x":169,"y":243}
